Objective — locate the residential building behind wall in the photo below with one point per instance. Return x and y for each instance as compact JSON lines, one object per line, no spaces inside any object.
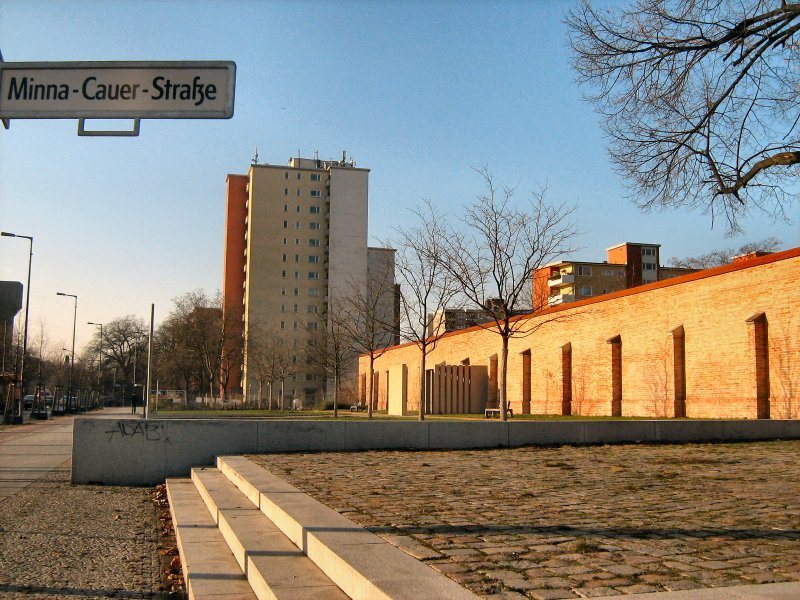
{"x":296,"y":240}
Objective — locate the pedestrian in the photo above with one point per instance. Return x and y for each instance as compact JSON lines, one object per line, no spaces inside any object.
{"x":133,"y":403}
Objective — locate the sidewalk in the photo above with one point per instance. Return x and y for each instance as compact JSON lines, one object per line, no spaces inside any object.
{"x":61,"y":542}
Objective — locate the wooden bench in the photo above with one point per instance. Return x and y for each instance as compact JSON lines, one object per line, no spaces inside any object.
{"x":495,"y":412}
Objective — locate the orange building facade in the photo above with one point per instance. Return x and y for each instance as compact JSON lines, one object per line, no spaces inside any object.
{"x":234,"y":268}
{"x":718,"y":343}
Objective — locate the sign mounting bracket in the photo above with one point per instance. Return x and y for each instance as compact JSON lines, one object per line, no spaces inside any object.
{"x":83,"y":132}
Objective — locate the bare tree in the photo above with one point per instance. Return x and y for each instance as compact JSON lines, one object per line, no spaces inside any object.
{"x":269,"y":357}
{"x":365,"y":318}
{"x":717,"y":258}
{"x":124,"y":346}
{"x":427,"y":287}
{"x":699,"y":98}
{"x":326,"y":347}
{"x":494,"y":255}
{"x":213,"y":338}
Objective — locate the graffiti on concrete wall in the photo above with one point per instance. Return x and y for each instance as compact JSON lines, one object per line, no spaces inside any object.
{"x":150,"y":432}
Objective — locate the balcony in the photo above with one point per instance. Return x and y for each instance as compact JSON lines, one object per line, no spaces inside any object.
{"x":561,"y":279}
{"x":560,"y":299}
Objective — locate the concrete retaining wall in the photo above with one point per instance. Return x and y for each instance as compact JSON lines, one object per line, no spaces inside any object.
{"x":138,"y":452}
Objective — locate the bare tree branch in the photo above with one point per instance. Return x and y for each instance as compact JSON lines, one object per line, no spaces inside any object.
{"x":700,"y":100}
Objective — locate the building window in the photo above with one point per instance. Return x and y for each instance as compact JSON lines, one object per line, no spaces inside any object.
{"x":298,"y":208}
{"x":285,"y":224}
{"x":585,"y":290}
{"x":649,"y":266}
{"x":284,"y":241}
{"x":584,"y":270}
{"x":315,"y":193}
{"x":284,"y":258}
{"x":297,"y":224}
{"x":283,"y":324}
{"x":297,"y":274}
{"x":298,"y":176}
{"x":648,"y":251}
{"x":283,"y":274}
{"x":285,"y":191}
{"x":313,"y":292}
{"x":315,"y":177}
{"x":298,"y":191}
{"x":313,"y":275}
{"x":283,"y":291}
{"x":296,"y":291}
{"x":296,"y":241}
{"x":313,"y":259}
{"x":312,"y":325}
{"x":314,"y":210}
{"x":608,"y":273}
{"x":283,"y":308}
{"x":295,"y":325}
{"x":313,"y":243}
{"x":297,"y":258}
{"x":312,"y":308}
{"x":295,"y":308}
{"x":314,"y":225}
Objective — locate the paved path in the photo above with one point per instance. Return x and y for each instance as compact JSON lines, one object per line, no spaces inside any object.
{"x":31,"y":451}
{"x":60,"y":541}
{"x":552,"y":523}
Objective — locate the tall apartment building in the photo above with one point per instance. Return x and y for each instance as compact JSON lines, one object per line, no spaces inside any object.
{"x":629,"y":264}
{"x":296,"y":240}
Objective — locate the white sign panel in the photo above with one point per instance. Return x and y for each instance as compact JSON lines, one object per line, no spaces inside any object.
{"x":117,"y":90}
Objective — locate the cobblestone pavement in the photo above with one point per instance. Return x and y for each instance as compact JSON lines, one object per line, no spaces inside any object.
{"x":59,"y":541}
{"x":551,"y":523}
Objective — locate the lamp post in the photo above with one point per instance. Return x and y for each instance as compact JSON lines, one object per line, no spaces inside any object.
{"x":27,"y":304}
{"x":99,"y":353}
{"x":72,"y":354}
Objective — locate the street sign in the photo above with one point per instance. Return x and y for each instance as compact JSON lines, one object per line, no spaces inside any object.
{"x":117,"y":90}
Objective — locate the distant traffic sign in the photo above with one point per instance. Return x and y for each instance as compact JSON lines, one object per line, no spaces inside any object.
{"x":117,"y":90}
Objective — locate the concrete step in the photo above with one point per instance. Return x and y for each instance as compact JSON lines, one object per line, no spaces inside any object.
{"x":209,"y":568}
{"x":275,"y":567}
{"x":363,"y":565}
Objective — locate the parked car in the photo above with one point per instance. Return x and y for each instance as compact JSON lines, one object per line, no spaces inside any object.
{"x":28,"y":400}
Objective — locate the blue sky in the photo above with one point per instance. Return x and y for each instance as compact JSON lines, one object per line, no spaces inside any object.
{"x":418,"y":92}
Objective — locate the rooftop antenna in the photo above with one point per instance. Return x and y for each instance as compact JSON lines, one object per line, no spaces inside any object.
{"x":255,"y":158}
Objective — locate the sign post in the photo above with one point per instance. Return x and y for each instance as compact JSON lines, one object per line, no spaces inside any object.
{"x":117,"y":90}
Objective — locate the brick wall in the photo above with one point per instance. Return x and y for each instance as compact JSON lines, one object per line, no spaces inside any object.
{"x":717,"y":337}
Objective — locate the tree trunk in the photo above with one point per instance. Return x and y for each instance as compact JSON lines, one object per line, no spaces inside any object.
{"x":422,"y":384}
{"x":282,"y":398}
{"x":270,"y":395}
{"x":260,"y":394}
{"x":335,"y":395}
{"x":503,"y":380}
{"x":370,"y":382}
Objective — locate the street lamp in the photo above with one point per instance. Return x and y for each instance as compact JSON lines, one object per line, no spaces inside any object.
{"x":99,"y":354}
{"x":27,"y":304}
{"x":72,"y":355}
